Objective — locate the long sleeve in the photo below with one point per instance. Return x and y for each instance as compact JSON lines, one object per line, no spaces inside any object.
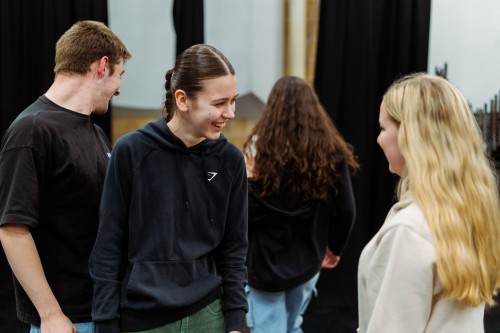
{"x":400,"y":280}
{"x":231,"y":253}
{"x":110,"y":246}
{"x":396,"y":283}
{"x":345,"y":211}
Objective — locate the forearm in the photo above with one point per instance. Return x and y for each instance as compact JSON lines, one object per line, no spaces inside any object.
{"x":25,"y":262}
{"x":345,"y":208}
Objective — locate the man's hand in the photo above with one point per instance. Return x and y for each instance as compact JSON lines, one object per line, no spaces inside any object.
{"x":24,"y":260}
{"x":56,"y":322}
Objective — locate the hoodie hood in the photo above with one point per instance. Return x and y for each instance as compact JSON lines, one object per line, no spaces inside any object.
{"x":159,"y":132}
{"x":293,"y":207}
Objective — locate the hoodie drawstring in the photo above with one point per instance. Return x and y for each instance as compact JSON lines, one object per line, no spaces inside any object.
{"x":160,"y":133}
{"x":205,"y":175}
{"x":181,"y":169}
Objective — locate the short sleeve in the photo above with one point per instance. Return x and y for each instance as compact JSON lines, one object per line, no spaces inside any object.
{"x":19,"y":186}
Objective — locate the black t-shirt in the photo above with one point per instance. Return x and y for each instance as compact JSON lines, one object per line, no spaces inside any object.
{"x":52,"y":167}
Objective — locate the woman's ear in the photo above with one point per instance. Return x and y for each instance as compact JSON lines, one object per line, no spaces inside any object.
{"x":181,"y":100}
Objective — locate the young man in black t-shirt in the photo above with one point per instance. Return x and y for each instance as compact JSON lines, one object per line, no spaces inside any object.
{"x":53,"y":161}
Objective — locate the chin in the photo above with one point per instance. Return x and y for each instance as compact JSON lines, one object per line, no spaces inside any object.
{"x":213,"y":136}
{"x":100,"y":111}
{"x":396,"y":172}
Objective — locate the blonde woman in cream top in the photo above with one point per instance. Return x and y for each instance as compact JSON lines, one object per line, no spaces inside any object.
{"x":435,"y":262}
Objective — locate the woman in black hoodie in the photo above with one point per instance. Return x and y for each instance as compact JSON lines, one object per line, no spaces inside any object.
{"x":301,"y":204}
{"x":172,"y":241}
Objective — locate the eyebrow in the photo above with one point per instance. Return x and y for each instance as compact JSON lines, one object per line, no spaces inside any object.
{"x":225,"y":99}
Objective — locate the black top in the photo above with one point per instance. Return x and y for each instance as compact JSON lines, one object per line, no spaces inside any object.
{"x":173,"y":231}
{"x":52,"y":167}
{"x":288,"y":236}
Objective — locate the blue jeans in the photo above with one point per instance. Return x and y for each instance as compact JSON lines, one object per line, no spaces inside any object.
{"x":279,"y":312}
{"x":80,"y":327}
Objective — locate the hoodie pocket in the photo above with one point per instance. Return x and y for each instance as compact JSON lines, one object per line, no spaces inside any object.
{"x":157,"y":284}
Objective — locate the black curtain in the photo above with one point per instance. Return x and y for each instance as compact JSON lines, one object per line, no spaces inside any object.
{"x":189,"y":23}
{"x":29,"y":30}
{"x":362,"y":47}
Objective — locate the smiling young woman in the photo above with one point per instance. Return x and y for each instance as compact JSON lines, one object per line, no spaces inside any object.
{"x":172,"y":241}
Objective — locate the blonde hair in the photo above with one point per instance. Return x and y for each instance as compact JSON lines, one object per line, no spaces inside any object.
{"x":452,"y":179}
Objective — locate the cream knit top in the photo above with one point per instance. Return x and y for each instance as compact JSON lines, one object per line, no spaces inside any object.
{"x":398,"y":286}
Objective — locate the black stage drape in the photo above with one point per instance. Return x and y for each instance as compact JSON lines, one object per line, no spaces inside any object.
{"x":492,"y":318}
{"x":362,"y":47}
{"x":29,"y":30}
{"x":189,"y":23}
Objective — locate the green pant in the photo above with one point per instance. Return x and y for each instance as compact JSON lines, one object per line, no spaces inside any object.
{"x":210,"y":319}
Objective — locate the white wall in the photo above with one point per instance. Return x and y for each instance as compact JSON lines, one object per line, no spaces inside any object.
{"x":227,"y":27}
{"x":146,"y":28}
{"x":267,"y":45}
{"x":248,"y":32}
{"x":466,"y":35}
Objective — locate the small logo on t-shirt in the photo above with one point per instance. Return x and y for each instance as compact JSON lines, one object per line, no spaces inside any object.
{"x":211,"y":175}
{"x":109,"y":155}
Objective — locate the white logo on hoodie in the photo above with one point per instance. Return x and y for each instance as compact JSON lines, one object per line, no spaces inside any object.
{"x":211,"y":175}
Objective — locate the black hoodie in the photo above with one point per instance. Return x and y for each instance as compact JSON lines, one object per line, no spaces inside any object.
{"x":173,"y":232}
{"x":288,"y":236}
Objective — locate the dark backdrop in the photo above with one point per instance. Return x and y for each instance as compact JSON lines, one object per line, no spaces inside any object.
{"x":29,"y":30}
{"x":362,"y":47}
{"x":188,"y":23}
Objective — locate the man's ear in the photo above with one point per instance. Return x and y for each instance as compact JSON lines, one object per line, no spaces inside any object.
{"x":181,"y":100}
{"x":101,"y":66}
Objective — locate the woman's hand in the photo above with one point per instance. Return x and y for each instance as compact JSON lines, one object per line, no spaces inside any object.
{"x":330,"y":260}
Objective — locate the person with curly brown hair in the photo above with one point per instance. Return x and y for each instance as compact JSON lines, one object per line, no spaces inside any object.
{"x":301,"y":204}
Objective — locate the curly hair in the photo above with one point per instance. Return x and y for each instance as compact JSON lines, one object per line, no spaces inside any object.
{"x":451,"y":177}
{"x":294,"y":145}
